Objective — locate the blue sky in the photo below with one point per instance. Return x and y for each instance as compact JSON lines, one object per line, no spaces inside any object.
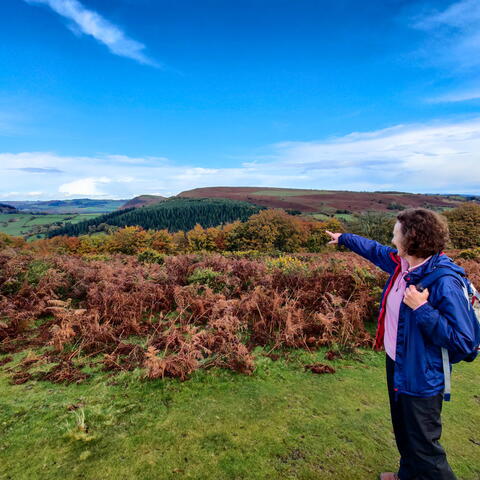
{"x":117,"y":98}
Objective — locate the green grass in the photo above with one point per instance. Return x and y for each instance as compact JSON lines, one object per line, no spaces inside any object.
{"x":346,"y":217}
{"x":24,"y":222}
{"x":279,"y":423}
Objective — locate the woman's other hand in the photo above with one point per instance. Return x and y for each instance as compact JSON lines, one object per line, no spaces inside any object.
{"x":413,"y":298}
{"x":333,"y":237}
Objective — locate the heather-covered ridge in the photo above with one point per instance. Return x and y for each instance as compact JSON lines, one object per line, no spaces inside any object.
{"x":326,"y":201}
{"x":143,"y":201}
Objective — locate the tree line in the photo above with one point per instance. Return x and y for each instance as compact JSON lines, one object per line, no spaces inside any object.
{"x":173,"y":215}
{"x":266,"y":231}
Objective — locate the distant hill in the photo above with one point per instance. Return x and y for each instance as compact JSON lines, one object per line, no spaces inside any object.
{"x":143,"y":201}
{"x":80,"y":205}
{"x":327,"y":201}
{"x":4,"y":208}
{"x":172,"y":214}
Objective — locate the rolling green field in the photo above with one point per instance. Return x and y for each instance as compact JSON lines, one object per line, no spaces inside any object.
{"x":279,"y":423}
{"x":346,"y":217}
{"x":78,"y":205}
{"x":21,"y":224}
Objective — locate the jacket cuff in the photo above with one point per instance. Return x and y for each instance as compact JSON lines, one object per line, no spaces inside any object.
{"x":421,"y":305}
{"x":423,"y":313}
{"x":341,"y":239}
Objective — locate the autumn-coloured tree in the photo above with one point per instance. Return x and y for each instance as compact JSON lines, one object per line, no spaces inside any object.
{"x":180,"y":241}
{"x":92,"y":244}
{"x":200,"y":239}
{"x":217,"y":234}
{"x":233,"y":235}
{"x":61,"y":245}
{"x":464,"y":225}
{"x":64,"y":244}
{"x":129,"y":240}
{"x":161,"y":241}
{"x":317,"y":236}
{"x":268,"y":230}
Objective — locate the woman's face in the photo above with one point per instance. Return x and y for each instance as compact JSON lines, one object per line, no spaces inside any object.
{"x":397,"y":239}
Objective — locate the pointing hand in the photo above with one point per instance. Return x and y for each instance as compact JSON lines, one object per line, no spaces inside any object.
{"x":333,"y":237}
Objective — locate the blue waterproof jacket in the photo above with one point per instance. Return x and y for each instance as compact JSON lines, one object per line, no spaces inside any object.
{"x":441,"y":322}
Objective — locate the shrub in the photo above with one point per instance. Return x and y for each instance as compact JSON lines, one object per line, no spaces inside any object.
{"x":470,"y":254}
{"x":375,"y":225}
{"x":36,"y":271}
{"x":464,"y":225}
{"x":287,"y":264}
{"x":9,"y":241}
{"x":206,"y":276}
{"x":395,"y":206}
{"x":96,"y":257}
{"x":318,"y":238}
{"x":149,"y":255}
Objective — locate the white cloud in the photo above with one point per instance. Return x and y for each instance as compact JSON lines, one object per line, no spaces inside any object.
{"x":10,"y":195}
{"x":91,"y":23}
{"x":84,"y":187}
{"x":423,"y":158}
{"x":438,"y":157}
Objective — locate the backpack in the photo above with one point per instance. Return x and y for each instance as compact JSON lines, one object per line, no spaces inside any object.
{"x":472,"y":296}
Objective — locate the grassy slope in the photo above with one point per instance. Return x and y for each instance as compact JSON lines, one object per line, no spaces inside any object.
{"x":27,"y":220}
{"x":278,"y":423}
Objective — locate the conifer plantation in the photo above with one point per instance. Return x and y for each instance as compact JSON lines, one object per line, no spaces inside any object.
{"x":173,"y":214}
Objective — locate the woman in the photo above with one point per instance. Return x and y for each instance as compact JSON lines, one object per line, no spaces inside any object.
{"x":413,"y":326}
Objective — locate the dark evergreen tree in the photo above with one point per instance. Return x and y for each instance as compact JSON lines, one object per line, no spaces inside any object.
{"x":174,"y":214}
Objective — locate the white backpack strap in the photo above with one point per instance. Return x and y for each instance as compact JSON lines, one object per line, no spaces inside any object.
{"x":446,"y":373}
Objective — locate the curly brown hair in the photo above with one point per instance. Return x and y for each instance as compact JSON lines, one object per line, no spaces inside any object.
{"x":424,"y":232}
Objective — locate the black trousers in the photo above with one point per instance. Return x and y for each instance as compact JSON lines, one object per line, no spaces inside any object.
{"x":417,"y":426}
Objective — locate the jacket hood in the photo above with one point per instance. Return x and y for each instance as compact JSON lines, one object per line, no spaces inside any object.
{"x":437,"y":260}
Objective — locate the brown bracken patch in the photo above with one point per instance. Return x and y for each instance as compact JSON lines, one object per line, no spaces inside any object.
{"x":319,"y":368}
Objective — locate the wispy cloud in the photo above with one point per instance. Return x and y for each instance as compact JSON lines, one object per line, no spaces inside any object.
{"x":37,"y":170}
{"x":11,"y":124}
{"x":431,"y":158}
{"x":452,"y":45}
{"x":91,"y":23}
{"x":456,"y":96}
{"x":454,"y":34}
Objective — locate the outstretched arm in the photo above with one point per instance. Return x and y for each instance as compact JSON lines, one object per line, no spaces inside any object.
{"x":380,"y":255}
